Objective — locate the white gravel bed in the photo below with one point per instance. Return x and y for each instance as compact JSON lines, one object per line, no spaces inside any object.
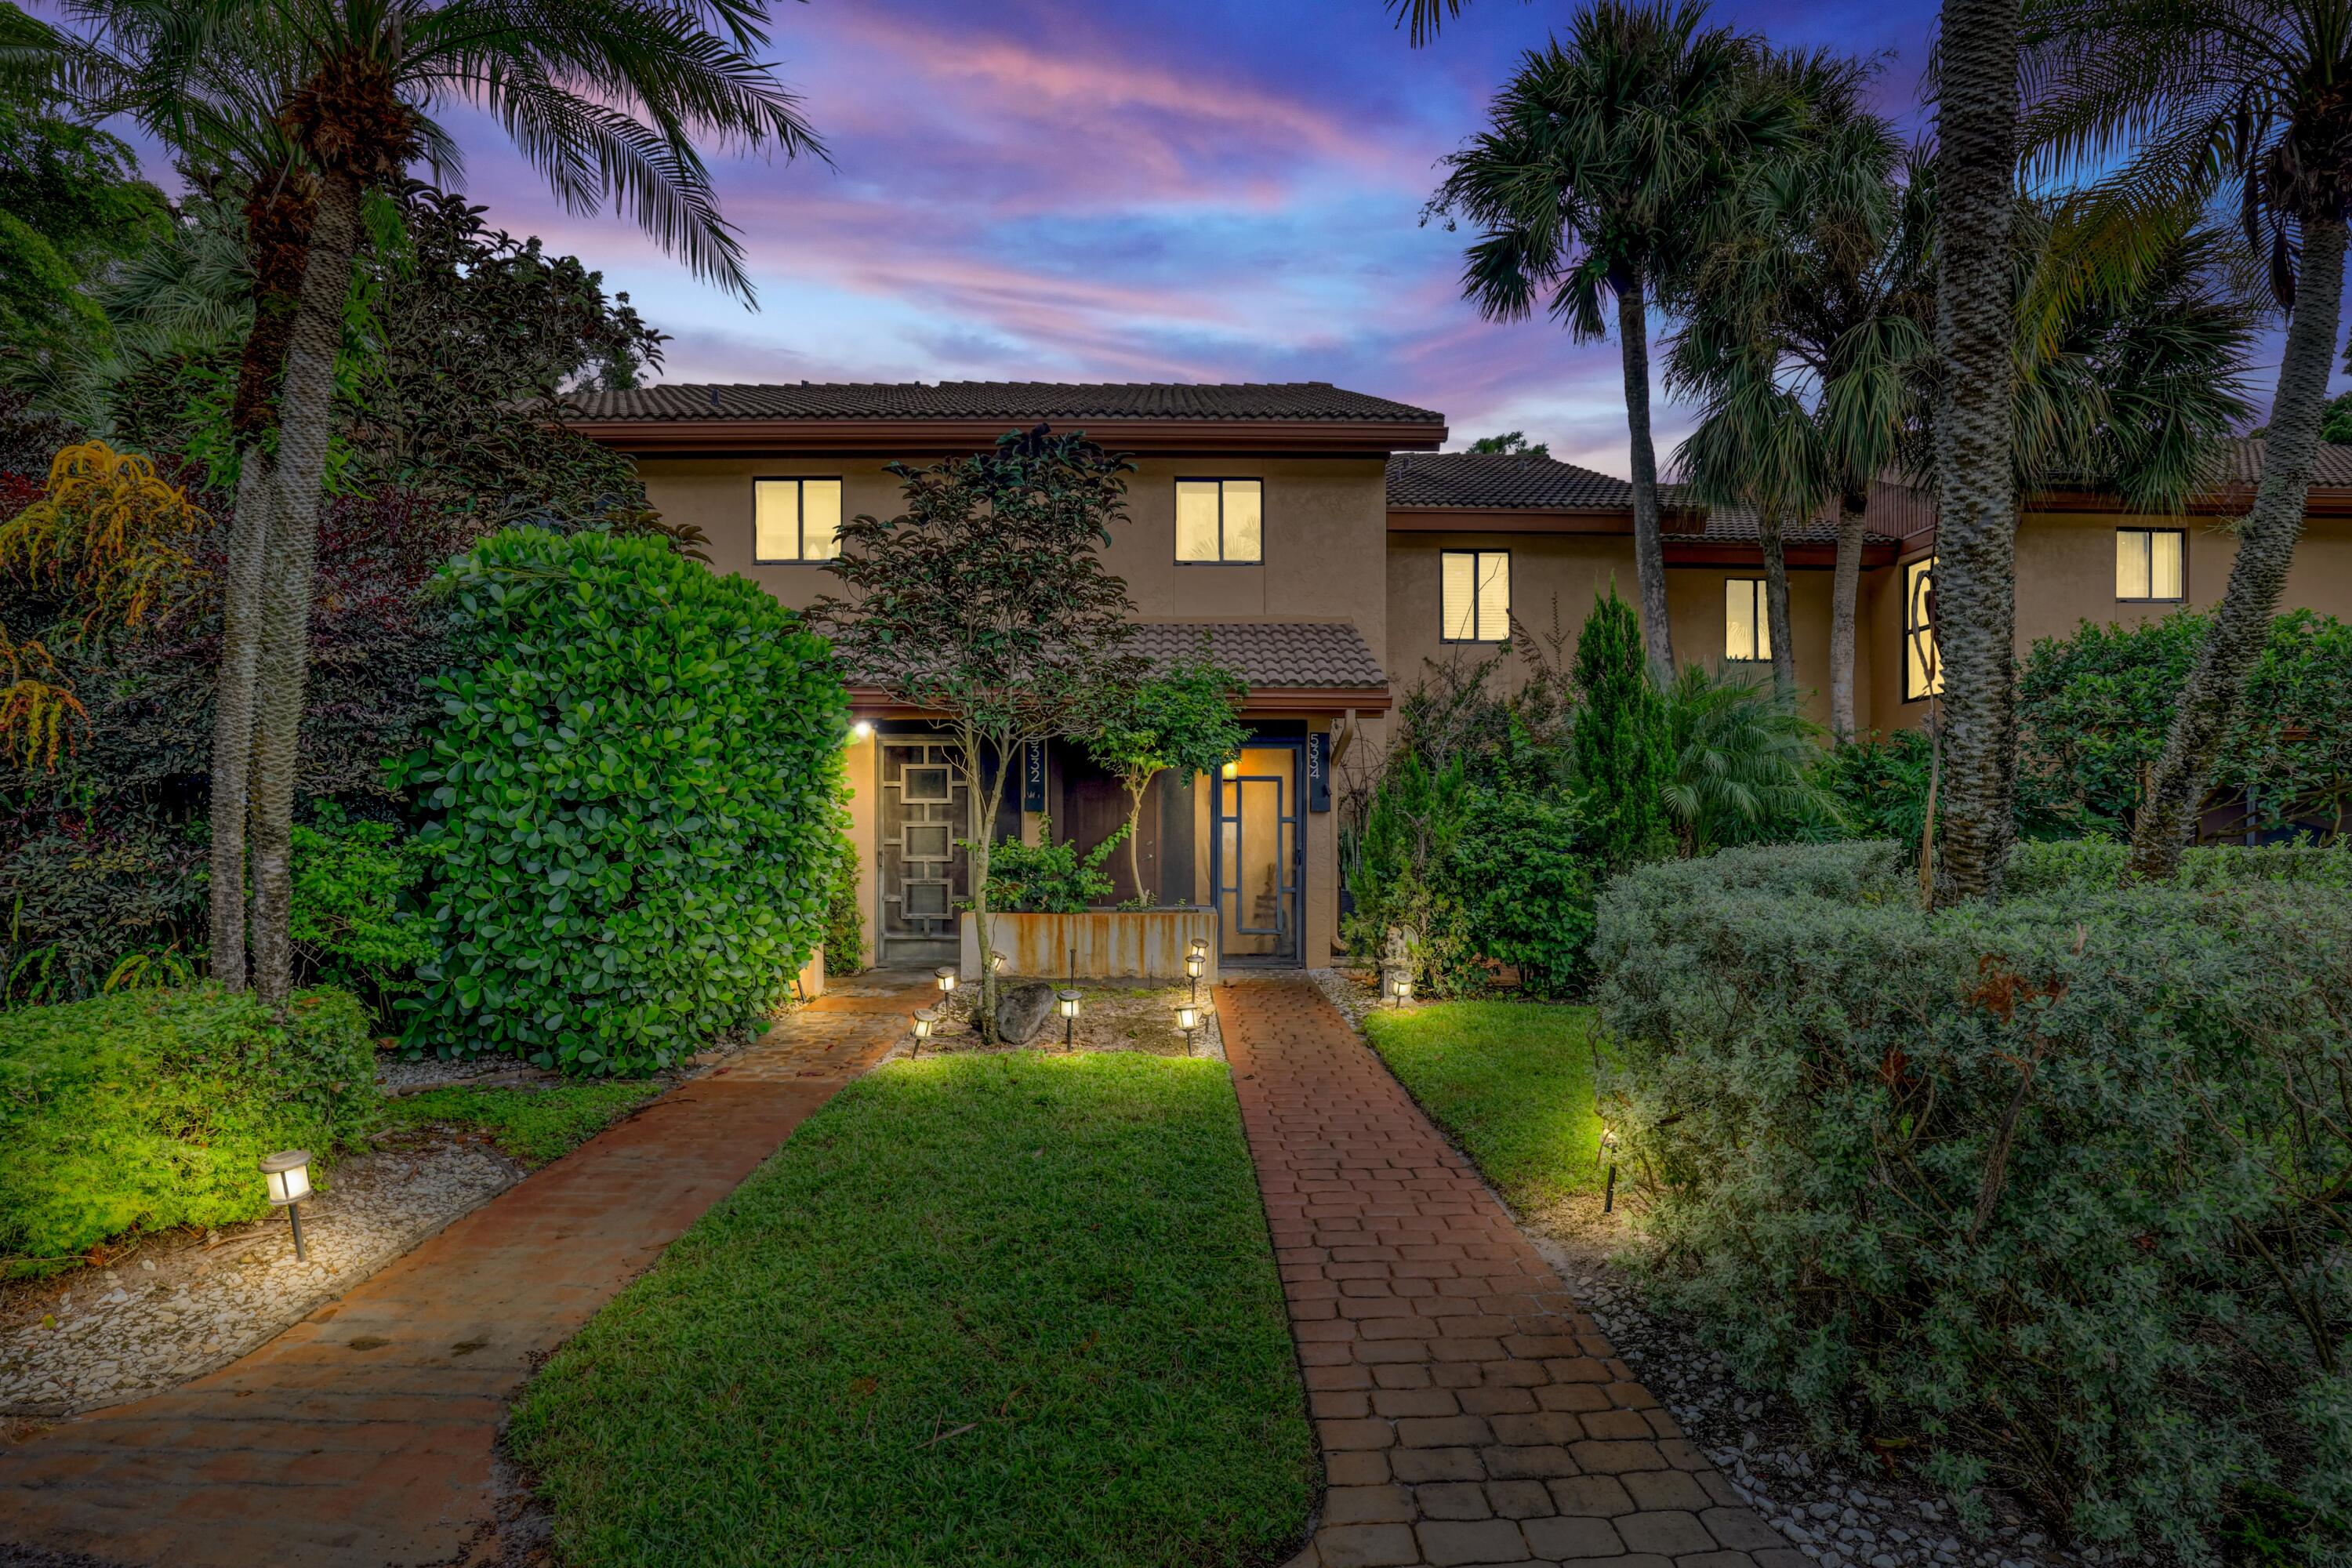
{"x":183,"y":1303}
{"x":1835,"y":1514}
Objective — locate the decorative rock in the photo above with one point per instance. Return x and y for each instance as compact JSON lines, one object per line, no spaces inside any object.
{"x":1023,"y":1011}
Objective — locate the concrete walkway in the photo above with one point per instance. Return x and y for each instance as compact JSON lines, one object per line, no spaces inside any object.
{"x":1469,"y":1411}
{"x":364,"y":1436}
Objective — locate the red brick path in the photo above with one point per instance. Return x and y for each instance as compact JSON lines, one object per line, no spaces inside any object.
{"x":363,"y":1437}
{"x":1470,"y":1411}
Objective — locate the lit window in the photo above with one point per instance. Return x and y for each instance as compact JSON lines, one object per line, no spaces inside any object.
{"x":795,"y":519}
{"x":1746,"y":628}
{"x":1923,"y":669}
{"x":1475,"y":595}
{"x":1221,"y":521}
{"x":2149,"y":564}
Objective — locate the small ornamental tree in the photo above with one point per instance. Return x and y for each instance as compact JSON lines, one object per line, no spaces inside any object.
{"x":638,"y":765}
{"x":1185,"y":718}
{"x":1621,"y":739}
{"x":986,"y":602}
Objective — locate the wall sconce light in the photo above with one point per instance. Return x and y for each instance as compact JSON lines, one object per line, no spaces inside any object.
{"x":287,"y":1174}
{"x":923,"y":1023}
{"x":946,"y":976}
{"x":1231,"y":770}
{"x":1066,"y":1002}
{"x":861,"y":730}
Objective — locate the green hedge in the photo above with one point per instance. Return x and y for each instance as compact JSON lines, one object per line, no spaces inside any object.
{"x":639,"y":776}
{"x":2052,"y":1189}
{"x":149,"y":1109}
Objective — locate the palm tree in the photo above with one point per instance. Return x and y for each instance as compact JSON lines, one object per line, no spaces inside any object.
{"x":1975,"y":494}
{"x":1800,"y":315}
{"x":1604,"y":156}
{"x":2247,"y":102}
{"x":607,"y":98}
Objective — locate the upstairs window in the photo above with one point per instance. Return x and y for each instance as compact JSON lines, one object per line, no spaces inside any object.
{"x":1923,"y":666}
{"x":2151,"y":564}
{"x":795,"y":519}
{"x":1747,"y":629}
{"x":1474,"y":594}
{"x":1221,"y":521}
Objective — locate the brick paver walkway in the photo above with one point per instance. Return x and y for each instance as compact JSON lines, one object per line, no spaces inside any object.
{"x":1470,"y":1412}
{"x":363,"y":1437}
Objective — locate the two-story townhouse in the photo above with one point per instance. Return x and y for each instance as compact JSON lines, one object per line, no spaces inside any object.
{"x":1323,"y":547}
{"x":1258,"y":521}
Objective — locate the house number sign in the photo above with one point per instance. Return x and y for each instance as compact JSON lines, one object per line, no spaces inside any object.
{"x":1318,"y":771}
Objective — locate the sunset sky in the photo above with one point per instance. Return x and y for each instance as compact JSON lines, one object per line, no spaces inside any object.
{"x":1141,"y":190}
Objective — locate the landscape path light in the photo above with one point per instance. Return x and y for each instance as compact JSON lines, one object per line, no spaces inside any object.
{"x":1608,"y":1152}
{"x":923,"y":1023}
{"x":946,"y":976}
{"x":1189,"y":1017}
{"x":1066,"y":1002}
{"x":288,"y":1172}
{"x":996,"y":960}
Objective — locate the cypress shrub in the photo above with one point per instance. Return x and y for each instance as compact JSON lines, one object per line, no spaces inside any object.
{"x":1621,"y":739}
{"x":638,"y":773}
{"x":2048,"y":1193}
{"x":150,"y":1109}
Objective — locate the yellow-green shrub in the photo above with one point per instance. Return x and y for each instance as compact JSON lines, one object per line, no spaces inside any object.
{"x":149,"y":1109}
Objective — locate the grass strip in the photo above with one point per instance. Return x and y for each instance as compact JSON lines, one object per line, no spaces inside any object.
{"x":1511,"y":1082}
{"x":978,"y":1311}
{"x":534,"y":1125}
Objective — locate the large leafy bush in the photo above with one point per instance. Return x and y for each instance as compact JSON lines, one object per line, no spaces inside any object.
{"x":350,"y":921}
{"x":149,"y":1109}
{"x":1050,"y":877}
{"x":2048,"y":1193}
{"x":636,"y":771}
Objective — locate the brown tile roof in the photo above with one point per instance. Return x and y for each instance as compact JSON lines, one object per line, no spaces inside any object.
{"x":1012,"y":400}
{"x":2243,"y":463}
{"x":1270,"y":653}
{"x":1491,"y":481}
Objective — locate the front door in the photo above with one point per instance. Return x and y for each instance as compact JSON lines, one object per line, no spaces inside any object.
{"x":1259,"y":856}
{"x":926,"y":808}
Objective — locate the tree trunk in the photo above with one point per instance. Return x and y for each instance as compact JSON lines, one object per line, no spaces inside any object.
{"x":1134,"y":832}
{"x":248,"y":546}
{"x":306,"y":423}
{"x":1776,"y":604}
{"x":986,"y":803}
{"x":1649,"y":554}
{"x":279,"y":212}
{"x":2241,"y":626}
{"x":1845,"y":594}
{"x":1976,"y":327}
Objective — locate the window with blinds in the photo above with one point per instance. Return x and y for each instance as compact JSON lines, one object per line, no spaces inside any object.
{"x":1746,"y":628}
{"x":795,"y":519}
{"x":2151,"y":564}
{"x":1474,"y":594}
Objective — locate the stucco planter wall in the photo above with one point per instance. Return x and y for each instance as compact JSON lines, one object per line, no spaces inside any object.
{"x":1110,"y":944}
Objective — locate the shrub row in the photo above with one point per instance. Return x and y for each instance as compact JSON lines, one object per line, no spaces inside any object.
{"x":2049,"y":1193}
{"x":150,"y":1109}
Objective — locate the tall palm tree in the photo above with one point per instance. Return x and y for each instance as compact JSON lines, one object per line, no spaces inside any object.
{"x":608,"y":99}
{"x":1604,"y":155}
{"x":1976,"y":495}
{"x":2247,"y":102}
{"x":1797,"y":315}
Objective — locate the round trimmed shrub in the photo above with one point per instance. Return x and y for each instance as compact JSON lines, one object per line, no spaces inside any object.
{"x":638,"y":773}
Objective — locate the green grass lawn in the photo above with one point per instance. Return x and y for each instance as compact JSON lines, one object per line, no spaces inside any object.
{"x":1511,"y":1082}
{"x":534,"y":1125}
{"x":978,"y":1311}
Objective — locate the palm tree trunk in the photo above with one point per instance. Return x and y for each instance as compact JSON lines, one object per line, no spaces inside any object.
{"x":1976,"y":586}
{"x":1845,"y":592}
{"x":1776,"y":604}
{"x":306,"y":409}
{"x":279,"y":216}
{"x":1649,"y":554}
{"x":2267,"y":541}
{"x":249,"y":545}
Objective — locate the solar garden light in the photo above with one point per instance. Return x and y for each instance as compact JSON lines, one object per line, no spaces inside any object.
{"x":1189,"y":1018}
{"x":1608,"y":1152}
{"x":996,"y":960}
{"x":946,"y":975}
{"x":1066,"y":1002}
{"x":922,"y":1025}
{"x":288,"y":1176}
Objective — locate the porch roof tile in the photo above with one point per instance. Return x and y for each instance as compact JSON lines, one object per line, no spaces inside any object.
{"x":1270,"y":653}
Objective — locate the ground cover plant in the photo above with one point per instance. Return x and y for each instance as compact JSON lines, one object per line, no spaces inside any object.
{"x":1511,"y":1082}
{"x":534,"y":1125}
{"x":150,"y":1109}
{"x":979,"y":1309}
{"x":637,"y":766}
{"x":2046,"y":1193}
